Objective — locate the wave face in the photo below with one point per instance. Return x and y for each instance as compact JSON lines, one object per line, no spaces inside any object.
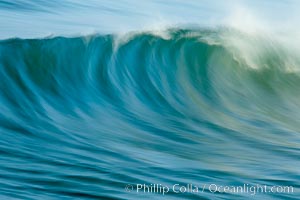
{"x":82,"y":117}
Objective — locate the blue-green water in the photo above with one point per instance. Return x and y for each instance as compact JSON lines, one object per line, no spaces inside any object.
{"x":97,"y":115}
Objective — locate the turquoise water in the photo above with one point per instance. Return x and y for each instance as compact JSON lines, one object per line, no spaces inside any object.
{"x":99,"y":98}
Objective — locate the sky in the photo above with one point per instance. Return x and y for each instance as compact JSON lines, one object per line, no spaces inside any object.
{"x":41,"y":18}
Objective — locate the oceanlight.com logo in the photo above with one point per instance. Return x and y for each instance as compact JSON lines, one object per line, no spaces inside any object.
{"x":212,"y":188}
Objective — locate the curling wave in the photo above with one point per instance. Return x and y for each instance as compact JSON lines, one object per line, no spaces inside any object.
{"x":83,"y":116}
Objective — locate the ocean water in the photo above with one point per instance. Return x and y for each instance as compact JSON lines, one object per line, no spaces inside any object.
{"x":149,"y":99}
